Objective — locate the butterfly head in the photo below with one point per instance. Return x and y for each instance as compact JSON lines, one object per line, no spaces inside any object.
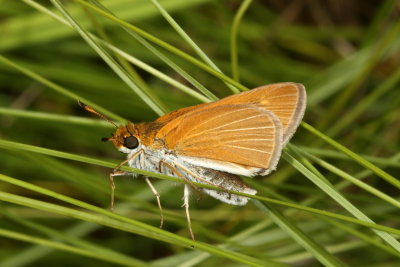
{"x":125,"y":138}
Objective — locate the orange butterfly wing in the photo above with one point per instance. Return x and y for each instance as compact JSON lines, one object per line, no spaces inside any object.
{"x":228,"y":134}
{"x":177,"y":113}
{"x":286,"y":100}
{"x":240,"y":139}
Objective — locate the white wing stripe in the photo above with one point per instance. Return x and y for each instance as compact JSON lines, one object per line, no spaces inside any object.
{"x":247,"y":148}
{"x":271,"y":105}
{"x":256,"y":135}
{"x":282,"y":110}
{"x":280,"y":96}
{"x":250,"y":139}
{"x":233,"y":122}
{"x":245,"y":129}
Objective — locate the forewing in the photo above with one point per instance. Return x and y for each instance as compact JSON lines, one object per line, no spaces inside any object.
{"x":286,"y":100}
{"x":236,"y":136}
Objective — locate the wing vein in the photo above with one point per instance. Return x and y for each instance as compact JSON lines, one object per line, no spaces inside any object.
{"x":245,"y":129}
{"x":232,"y":122}
{"x":216,"y":117}
{"x":250,"y":139}
{"x":248,"y":148}
{"x":280,"y":96}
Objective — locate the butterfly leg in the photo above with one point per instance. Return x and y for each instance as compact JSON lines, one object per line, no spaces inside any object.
{"x":112,"y":185}
{"x":186,"y":194}
{"x":117,"y":172}
{"x":157,"y":195}
{"x":188,"y":182}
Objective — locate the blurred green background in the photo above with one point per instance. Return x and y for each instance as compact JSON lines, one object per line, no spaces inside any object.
{"x":346,"y":53}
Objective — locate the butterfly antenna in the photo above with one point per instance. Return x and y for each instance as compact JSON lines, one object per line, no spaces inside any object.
{"x":91,"y":110}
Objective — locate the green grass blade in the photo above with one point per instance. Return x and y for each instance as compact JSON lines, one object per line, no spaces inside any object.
{"x":299,"y":236}
{"x":393,"y":161}
{"x":166,"y":46}
{"x":59,"y":89}
{"x":162,"y":76}
{"x":18,"y":146}
{"x":42,"y":27}
{"x":71,"y":249}
{"x":378,"y":171}
{"x":149,"y":98}
{"x":114,"y":220}
{"x":141,"y":64}
{"x":209,"y":95}
{"x":363,"y":236}
{"x":234,"y":30}
{"x":331,"y":191}
{"x":190,"y":42}
{"x":43,"y":116}
{"x":29,"y":255}
{"x":77,"y":242}
{"x":354,"y":180}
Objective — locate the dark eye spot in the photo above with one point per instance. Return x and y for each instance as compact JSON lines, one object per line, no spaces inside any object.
{"x":131,"y":142}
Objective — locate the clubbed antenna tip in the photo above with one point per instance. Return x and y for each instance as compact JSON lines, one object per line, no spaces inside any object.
{"x":91,"y":110}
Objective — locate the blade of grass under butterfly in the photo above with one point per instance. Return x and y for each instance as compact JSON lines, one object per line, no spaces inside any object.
{"x":148,"y":97}
{"x":19,"y":146}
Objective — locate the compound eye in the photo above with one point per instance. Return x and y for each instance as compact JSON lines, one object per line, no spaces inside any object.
{"x":131,"y":142}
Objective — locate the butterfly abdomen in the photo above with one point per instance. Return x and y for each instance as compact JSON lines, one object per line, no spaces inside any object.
{"x":226,"y":181}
